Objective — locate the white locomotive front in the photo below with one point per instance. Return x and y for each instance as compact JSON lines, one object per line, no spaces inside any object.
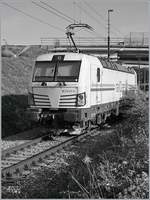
{"x":78,"y":88}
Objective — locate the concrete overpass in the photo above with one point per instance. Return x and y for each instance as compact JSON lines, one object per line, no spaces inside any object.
{"x":133,"y":49}
{"x":124,"y":54}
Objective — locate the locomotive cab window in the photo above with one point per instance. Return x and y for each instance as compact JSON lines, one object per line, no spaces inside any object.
{"x":68,"y":71}
{"x":98,"y":74}
{"x":46,"y":71}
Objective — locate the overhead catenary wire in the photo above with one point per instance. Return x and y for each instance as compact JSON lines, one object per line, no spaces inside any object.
{"x":31,"y":16}
{"x":93,"y":33}
{"x":85,"y":11}
{"x":50,"y":11}
{"x":59,"y":12}
{"x":101,"y":16}
{"x":93,"y":18}
{"x":37,"y":19}
{"x":74,"y":10}
{"x":65,"y":15}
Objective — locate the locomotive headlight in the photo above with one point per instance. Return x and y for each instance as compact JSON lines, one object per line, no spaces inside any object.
{"x":81,"y":99}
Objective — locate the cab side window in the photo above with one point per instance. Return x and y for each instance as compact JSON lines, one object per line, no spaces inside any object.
{"x":98,"y":74}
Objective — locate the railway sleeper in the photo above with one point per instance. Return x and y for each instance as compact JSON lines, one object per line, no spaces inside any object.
{"x":21,"y":167}
{"x":36,"y":159}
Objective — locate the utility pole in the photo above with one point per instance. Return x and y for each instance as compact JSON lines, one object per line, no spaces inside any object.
{"x":139,"y":73}
{"x":110,"y":10}
{"x":144,"y":77}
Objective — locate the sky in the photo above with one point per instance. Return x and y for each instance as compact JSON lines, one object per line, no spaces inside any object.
{"x":18,"y":28}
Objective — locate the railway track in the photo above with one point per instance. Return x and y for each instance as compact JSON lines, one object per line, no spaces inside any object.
{"x":20,"y":138}
{"x":18,"y":160}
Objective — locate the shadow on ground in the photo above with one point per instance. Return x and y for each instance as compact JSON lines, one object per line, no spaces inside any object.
{"x":15,"y":116}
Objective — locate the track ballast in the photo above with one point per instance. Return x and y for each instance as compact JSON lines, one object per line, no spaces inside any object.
{"x":21,"y":158}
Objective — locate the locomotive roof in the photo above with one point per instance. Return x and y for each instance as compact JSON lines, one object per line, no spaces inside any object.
{"x":115,"y":66}
{"x":78,"y":56}
{"x":68,"y":56}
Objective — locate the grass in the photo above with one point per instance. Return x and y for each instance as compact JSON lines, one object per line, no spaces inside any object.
{"x":122,"y":169}
{"x":111,"y":166}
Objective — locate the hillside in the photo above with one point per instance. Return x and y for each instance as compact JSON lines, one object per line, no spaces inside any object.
{"x":16,"y":75}
{"x":15,"y":80}
{"x":16,"y":71}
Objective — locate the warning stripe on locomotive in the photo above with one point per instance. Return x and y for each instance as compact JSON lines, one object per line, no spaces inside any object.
{"x":68,"y":100}
{"x":41,"y":100}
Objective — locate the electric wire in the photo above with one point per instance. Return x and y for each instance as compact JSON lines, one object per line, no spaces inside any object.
{"x":94,"y":33}
{"x":59,"y":11}
{"x":101,"y":16}
{"x":57,"y":14}
{"x":90,"y":15}
{"x":41,"y":21}
{"x":65,"y":16}
{"x":93,"y":18}
{"x":31,"y":16}
{"x":50,"y":11}
{"x":61,"y":14}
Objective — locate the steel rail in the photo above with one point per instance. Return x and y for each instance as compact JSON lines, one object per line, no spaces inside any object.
{"x":27,"y":163}
{"x":11,"y":150}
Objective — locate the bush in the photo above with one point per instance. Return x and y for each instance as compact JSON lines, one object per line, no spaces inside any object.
{"x":122,"y":169}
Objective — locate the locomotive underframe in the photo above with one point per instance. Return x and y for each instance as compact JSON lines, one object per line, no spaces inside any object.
{"x":96,"y":114}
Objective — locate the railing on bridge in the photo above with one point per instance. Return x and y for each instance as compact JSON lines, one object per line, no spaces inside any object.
{"x":81,"y":41}
{"x":133,"y":40}
{"x":137,"y":39}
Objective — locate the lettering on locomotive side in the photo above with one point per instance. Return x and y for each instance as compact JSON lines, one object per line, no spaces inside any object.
{"x":68,"y":91}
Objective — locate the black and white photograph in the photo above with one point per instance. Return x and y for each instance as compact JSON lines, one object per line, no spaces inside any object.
{"x":75,"y":99}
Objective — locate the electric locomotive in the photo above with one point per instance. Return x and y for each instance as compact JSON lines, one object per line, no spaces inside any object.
{"x":78,"y":88}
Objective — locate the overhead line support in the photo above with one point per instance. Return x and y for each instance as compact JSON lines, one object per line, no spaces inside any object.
{"x":110,"y":10}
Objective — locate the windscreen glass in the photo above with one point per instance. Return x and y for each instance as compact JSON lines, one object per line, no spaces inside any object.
{"x":44,"y":71}
{"x":67,"y":71}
